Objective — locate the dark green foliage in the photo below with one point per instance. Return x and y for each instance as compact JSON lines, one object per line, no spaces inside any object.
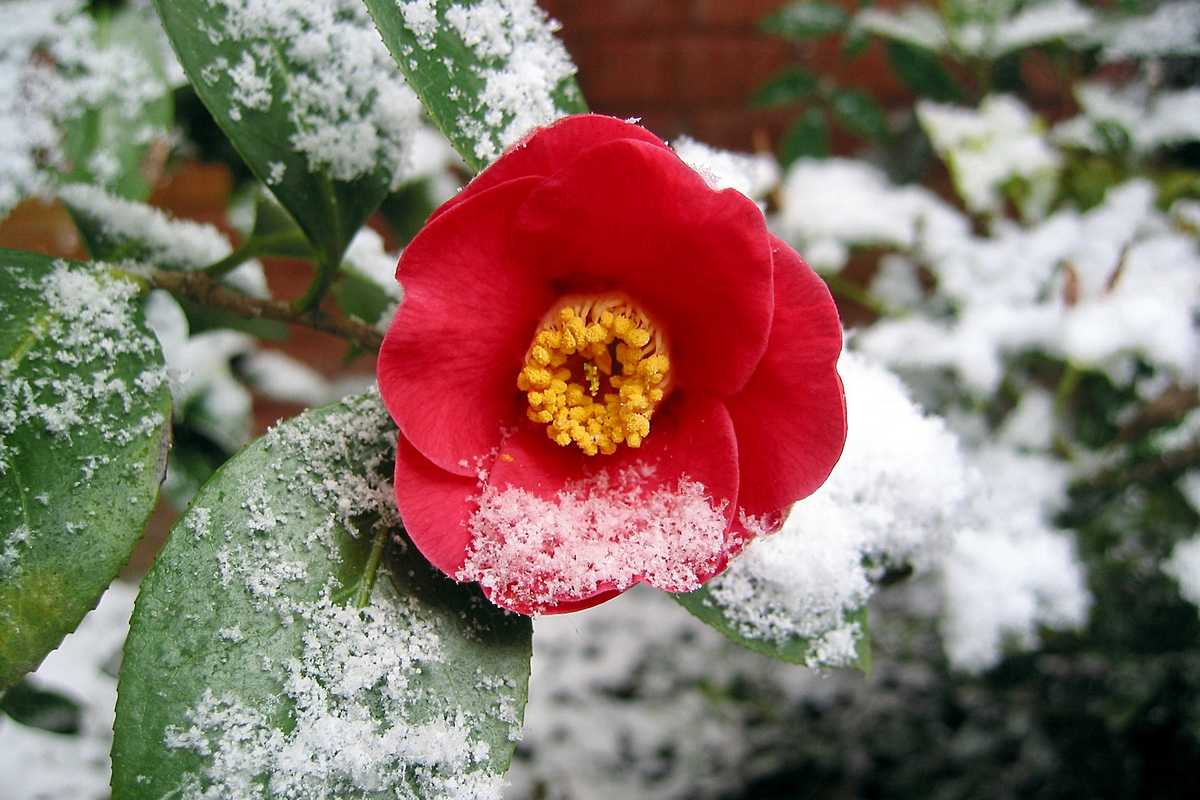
{"x":31,"y":705}
{"x":807,"y":138}
{"x":922,"y":72}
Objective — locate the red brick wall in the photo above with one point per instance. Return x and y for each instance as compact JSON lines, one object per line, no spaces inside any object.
{"x":691,"y":66}
{"x":683,"y":66}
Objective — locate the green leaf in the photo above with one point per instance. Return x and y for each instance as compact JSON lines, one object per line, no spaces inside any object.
{"x":108,"y":143}
{"x":252,"y":86}
{"x":406,"y":209}
{"x":786,"y":88}
{"x":922,"y":72}
{"x":807,"y":138}
{"x":859,"y":113}
{"x":263,"y":653}
{"x":275,"y":232}
{"x":486,"y":93}
{"x":84,"y":413}
{"x":360,"y":296}
{"x":805,"y":19}
{"x":797,"y":650}
{"x":41,"y":708}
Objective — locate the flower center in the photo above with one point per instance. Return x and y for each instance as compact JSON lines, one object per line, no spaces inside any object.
{"x":595,"y":372}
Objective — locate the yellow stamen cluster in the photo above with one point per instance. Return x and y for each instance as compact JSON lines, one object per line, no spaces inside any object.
{"x":595,"y":372}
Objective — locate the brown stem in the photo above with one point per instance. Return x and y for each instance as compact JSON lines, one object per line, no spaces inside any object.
{"x":203,"y":289}
{"x":1170,"y":406}
{"x":1147,"y":471}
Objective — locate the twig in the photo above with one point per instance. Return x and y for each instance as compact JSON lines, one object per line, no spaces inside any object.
{"x":1145,"y":471}
{"x":203,"y":289}
{"x":1170,"y":406}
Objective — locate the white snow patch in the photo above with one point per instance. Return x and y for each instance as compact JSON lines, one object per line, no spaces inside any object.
{"x":828,"y":204}
{"x":53,"y":766}
{"x":606,"y":531}
{"x":1011,"y":572}
{"x":895,"y":498}
{"x":1184,"y":567}
{"x":751,"y":174}
{"x":987,"y":147}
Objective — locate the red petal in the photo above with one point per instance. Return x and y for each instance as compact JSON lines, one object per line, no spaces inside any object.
{"x":691,"y":438}
{"x":448,"y":366}
{"x":631,"y":216}
{"x":435,"y":507}
{"x":791,"y":417}
{"x":581,"y":605}
{"x":547,"y":150}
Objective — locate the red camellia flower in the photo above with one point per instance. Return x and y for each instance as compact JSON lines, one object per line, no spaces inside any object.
{"x":604,"y":372}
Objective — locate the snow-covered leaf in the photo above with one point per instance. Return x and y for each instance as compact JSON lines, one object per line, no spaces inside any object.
{"x":291,"y":672}
{"x":84,"y":413}
{"x":987,"y":147}
{"x":488,"y":71}
{"x":794,"y":649}
{"x":307,"y":94}
{"x":117,"y":230}
{"x":84,"y":95}
{"x":1171,"y":29}
{"x":109,"y":142}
